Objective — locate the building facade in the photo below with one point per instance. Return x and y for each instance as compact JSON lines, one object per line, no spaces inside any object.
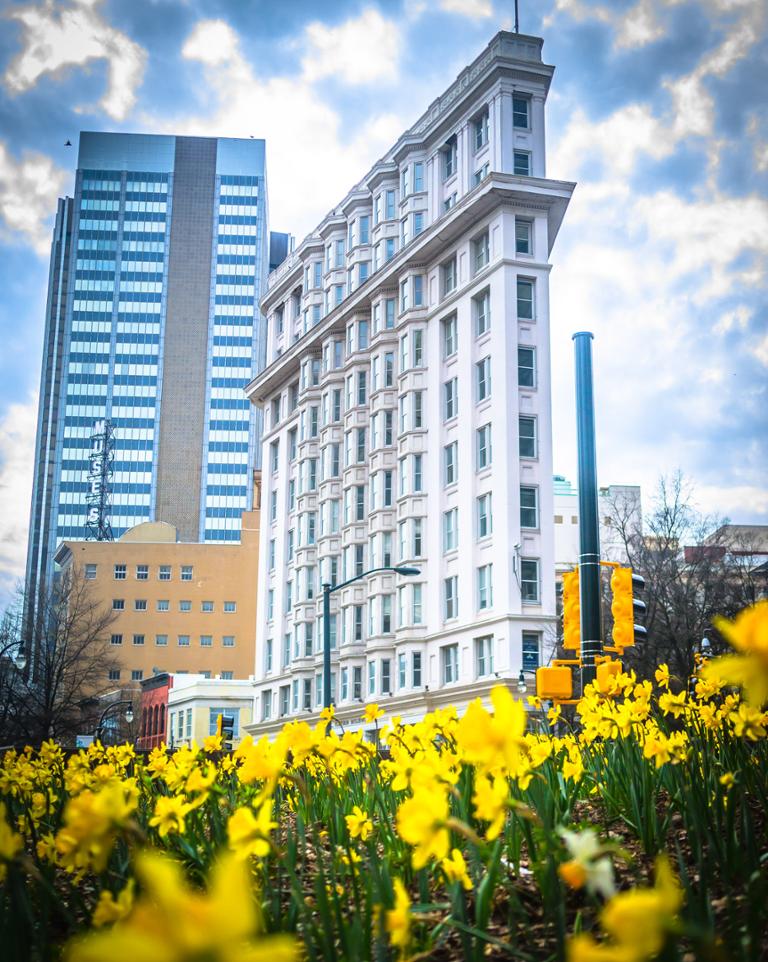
{"x":407,"y":414}
{"x":178,"y":607}
{"x":195,"y":703}
{"x":152,"y":322}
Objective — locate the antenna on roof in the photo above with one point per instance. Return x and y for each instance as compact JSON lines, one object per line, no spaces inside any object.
{"x":517,"y":19}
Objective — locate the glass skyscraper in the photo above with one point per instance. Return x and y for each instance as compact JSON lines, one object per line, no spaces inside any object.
{"x":157,"y":266}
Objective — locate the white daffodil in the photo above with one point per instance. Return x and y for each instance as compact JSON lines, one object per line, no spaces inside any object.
{"x":589,"y":865}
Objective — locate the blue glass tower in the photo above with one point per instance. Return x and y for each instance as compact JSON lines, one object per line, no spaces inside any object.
{"x":157,"y":266}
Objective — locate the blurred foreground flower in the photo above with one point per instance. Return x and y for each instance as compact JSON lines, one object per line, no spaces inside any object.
{"x":399,"y":919}
{"x":171,"y":922}
{"x":748,"y":634}
{"x":589,"y":864}
{"x":638,"y":922}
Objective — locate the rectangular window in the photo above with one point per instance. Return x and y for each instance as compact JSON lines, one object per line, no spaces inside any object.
{"x":206,"y":606}
{"x":386,"y":676}
{"x":161,"y":641}
{"x":401,"y":670}
{"x":206,"y":641}
{"x":480,"y":131}
{"x":481,"y":252}
{"x":120,"y":572}
{"x":526,"y":367}
{"x":418,"y":291}
{"x":417,"y":472}
{"x":418,"y":177}
{"x":183,"y":641}
{"x":140,"y":604}
{"x":371,"y":677}
{"x":138,"y":640}
{"x":365,"y":223}
{"x":451,"y":597}
{"x":524,"y":299}
{"x":484,"y":656}
{"x":163,"y":604}
{"x":523,"y":236}
{"x":90,"y":572}
{"x":114,"y":674}
{"x":521,"y":113}
{"x":116,"y":640}
{"x":484,"y":454}
{"x":118,"y":604}
{"x":522,"y":162}
{"x":418,"y":409}
{"x":451,"y":463}
{"x":450,"y":336}
{"x":483,"y":379}
{"x":185,"y":605}
{"x":529,"y":580}
{"x":449,"y":657}
{"x":484,"y":516}
{"x":531,"y":650}
{"x":450,"y":529}
{"x":485,"y":587}
{"x":386,"y":614}
{"x":416,"y":669}
{"x":186,"y":572}
{"x":448,"y":274}
{"x":482,"y":310}
{"x":228,"y":641}
{"x":450,"y":399}
{"x":449,"y":155}
{"x":164,"y":573}
{"x":142,"y":572}
{"x":527,"y":429}
{"x":389,"y":205}
{"x":529,"y":507}
{"x":230,"y":607}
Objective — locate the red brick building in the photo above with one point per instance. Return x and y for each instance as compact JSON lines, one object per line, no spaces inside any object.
{"x":154,"y":710}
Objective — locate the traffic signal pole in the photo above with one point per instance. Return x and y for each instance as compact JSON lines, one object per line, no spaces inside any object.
{"x":589,"y":534}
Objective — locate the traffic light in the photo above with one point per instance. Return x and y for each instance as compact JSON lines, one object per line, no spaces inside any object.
{"x":554,"y":683}
{"x":571,"y":611}
{"x":625,"y":607}
{"x":227,"y":731}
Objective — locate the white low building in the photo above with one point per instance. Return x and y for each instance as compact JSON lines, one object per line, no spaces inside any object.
{"x":618,"y":506}
{"x":408,"y":418}
{"x":196,"y":701}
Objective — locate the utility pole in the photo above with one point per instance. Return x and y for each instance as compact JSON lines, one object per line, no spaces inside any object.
{"x":589,"y":533}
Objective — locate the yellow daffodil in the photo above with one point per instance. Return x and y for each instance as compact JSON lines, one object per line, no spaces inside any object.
{"x":249,"y":833}
{"x":169,"y":815}
{"x":10,"y":843}
{"x":662,"y":676}
{"x":358,"y":824}
{"x":398,"y":920}
{"x":91,"y":821}
{"x":493,"y":741}
{"x":172,"y":922}
{"x":455,"y":869}
{"x":672,"y":704}
{"x":110,"y":909}
{"x":490,"y":800}
{"x":749,"y":723}
{"x":421,"y":821}
{"x":372,"y":712}
{"x":748,"y":669}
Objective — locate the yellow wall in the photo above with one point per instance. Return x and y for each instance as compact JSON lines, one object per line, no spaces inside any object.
{"x":226,"y":572}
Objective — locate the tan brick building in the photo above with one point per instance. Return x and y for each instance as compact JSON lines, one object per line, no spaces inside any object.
{"x":179,"y":607}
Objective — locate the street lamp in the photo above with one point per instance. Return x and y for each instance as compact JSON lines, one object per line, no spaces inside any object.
{"x":328,"y":590}
{"x":522,"y":687}
{"x":108,"y":710}
{"x":20,"y":660}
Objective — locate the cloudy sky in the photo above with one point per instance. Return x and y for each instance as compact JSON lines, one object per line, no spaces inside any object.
{"x":658,"y":110}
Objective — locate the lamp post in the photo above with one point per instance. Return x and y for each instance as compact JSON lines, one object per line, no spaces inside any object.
{"x":328,"y":590}
{"x":522,"y":686}
{"x":111,"y":708}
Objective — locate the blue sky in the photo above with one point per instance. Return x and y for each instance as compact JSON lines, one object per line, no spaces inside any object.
{"x":657,"y":110}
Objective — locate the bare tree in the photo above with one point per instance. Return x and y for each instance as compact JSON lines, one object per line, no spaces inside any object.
{"x":693,"y":570}
{"x":68,"y":658}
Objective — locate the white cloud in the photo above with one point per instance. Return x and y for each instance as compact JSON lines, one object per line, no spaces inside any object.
{"x":311,"y":163}
{"x":17,"y":442}
{"x":28,"y":191}
{"x":635,"y":27}
{"x":56,"y":37}
{"x":358,"y":51}
{"x":476,"y":9}
{"x":760,"y":350}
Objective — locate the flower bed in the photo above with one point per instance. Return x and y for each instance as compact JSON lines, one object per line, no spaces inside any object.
{"x":638,"y":833}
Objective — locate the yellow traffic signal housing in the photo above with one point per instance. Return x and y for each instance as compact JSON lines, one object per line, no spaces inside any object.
{"x":607,"y":670}
{"x":571,"y":611}
{"x":622,"y":608}
{"x":555,"y":684}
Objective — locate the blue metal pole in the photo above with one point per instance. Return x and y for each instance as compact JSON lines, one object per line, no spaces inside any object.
{"x":589,"y":533}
